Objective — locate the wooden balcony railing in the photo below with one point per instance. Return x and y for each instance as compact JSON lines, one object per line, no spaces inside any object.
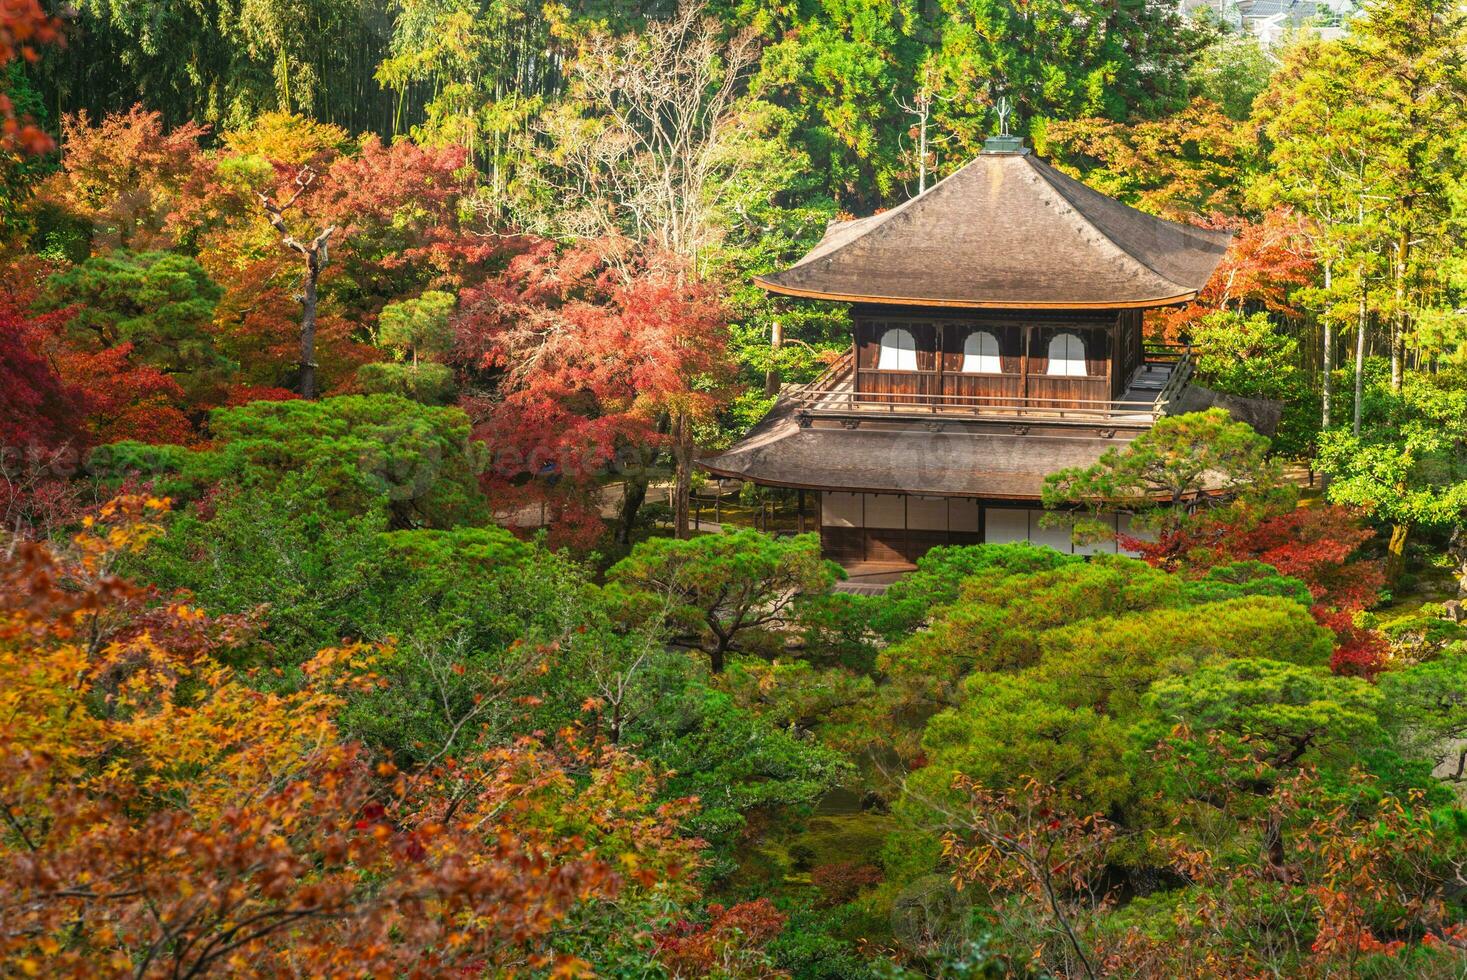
{"x":833,"y":394}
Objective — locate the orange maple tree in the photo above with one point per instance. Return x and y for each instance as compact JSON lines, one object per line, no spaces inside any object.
{"x":24,"y":27}
{"x":166,"y":816}
{"x":1267,"y":260}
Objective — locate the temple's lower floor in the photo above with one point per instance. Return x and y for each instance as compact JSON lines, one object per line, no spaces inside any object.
{"x":899,"y":528}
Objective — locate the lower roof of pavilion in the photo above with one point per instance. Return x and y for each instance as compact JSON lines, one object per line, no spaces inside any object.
{"x":1004,"y":461}
{"x":987,"y":458}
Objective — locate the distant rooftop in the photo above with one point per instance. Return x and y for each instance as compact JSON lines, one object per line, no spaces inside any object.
{"x":1271,"y":20}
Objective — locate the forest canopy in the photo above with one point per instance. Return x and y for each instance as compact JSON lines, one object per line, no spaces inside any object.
{"x":364,"y":610}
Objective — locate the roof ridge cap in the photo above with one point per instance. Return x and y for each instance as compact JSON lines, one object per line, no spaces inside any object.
{"x":1039,"y":167}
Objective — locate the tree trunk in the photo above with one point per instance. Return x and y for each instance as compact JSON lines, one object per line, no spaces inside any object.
{"x":634,"y":493}
{"x":715,"y":658}
{"x":1327,"y":388}
{"x":1396,"y":555}
{"x":1398,"y":316}
{"x":314,"y":255}
{"x":922,"y":156}
{"x":1457,"y":549}
{"x":1359,"y":363}
{"x":682,"y":449}
{"x":308,"y":328}
{"x":1272,"y":853}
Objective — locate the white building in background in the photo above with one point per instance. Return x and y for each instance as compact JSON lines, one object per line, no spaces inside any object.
{"x":1272,"y":20}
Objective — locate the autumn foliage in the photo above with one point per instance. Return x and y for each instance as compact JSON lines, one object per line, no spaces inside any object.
{"x":37,"y":406}
{"x":25,"y":26}
{"x":1318,"y":545}
{"x":165,"y":815}
{"x":1267,"y":261}
{"x":727,"y":944}
{"x":592,"y":351}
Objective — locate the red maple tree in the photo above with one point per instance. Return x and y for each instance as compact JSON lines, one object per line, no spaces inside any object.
{"x":1267,"y":260}
{"x":37,"y":407}
{"x":1318,"y":545}
{"x":587,"y":363}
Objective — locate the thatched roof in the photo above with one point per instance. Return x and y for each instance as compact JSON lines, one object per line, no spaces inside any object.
{"x":1007,"y":231}
{"x":1000,"y":465}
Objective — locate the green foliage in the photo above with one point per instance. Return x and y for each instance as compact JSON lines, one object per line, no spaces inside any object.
{"x":418,"y":327}
{"x":838,"y":64}
{"x":999,"y":618}
{"x":1232,"y":71}
{"x":1166,"y":471}
{"x":793,"y":695}
{"x":1252,"y":357}
{"x":479,"y":622}
{"x":909,"y":601}
{"x":1242,"y":578}
{"x":733,"y":760}
{"x":1110,"y":662}
{"x":218,"y":66}
{"x":159,"y":302}
{"x":286,"y":552}
{"x":836,"y":628}
{"x":428,"y":383}
{"x":1409,"y":465}
{"x":1426,"y":710}
{"x":363,"y":453}
{"x":723,"y":592}
{"x":475,"y":618}
{"x":1013,"y":726}
{"x":821,"y":945}
{"x":1057,"y":665}
{"x":1284,"y":714}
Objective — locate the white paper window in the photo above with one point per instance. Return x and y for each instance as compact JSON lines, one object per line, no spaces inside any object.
{"x":980,"y":354}
{"x":840,"y":509}
{"x":1067,"y":356}
{"x":888,"y":510}
{"x":898,"y":351}
{"x":927,"y":513}
{"x":1005,"y":525}
{"x":962,"y":514}
{"x":1060,"y":538}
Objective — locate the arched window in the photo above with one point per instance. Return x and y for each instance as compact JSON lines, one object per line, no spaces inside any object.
{"x":898,"y":351}
{"x":1067,"y":356}
{"x":980,"y":354}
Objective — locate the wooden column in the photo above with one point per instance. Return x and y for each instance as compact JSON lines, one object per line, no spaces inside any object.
{"x":940,"y":330}
{"x":1110,"y":357}
{"x":1028,"y":335}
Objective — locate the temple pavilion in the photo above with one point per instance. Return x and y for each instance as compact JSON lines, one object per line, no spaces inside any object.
{"x":997,"y":338}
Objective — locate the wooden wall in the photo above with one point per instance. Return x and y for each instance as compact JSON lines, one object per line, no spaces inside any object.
{"x":1127,"y":352}
{"x":1112,"y":350}
{"x":896,"y":529}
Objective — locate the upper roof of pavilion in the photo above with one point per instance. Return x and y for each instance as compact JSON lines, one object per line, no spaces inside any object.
{"x":1007,"y":231}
